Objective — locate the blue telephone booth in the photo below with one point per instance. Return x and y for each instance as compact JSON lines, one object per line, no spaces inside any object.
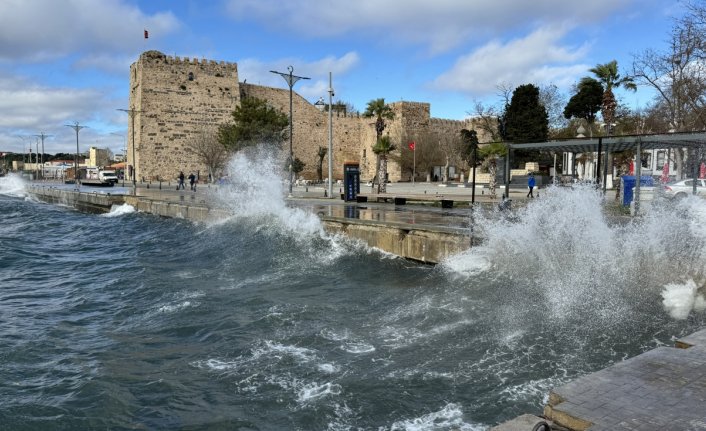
{"x":351,"y":181}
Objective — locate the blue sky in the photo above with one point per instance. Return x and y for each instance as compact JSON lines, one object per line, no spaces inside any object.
{"x":64,"y":61}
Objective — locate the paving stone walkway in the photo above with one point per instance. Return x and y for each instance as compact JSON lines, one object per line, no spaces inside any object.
{"x":662,"y":389}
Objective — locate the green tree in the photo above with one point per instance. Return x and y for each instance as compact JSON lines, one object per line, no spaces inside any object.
{"x":525,"y":118}
{"x":382,"y":148}
{"x":587,"y":101}
{"x":319,"y":167}
{"x":297,"y":166}
{"x":490,"y":153}
{"x":609,"y":78}
{"x":469,"y":153}
{"x":381,"y":111}
{"x":254,"y":122}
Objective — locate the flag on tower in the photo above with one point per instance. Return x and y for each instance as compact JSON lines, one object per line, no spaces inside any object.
{"x":147,"y":34}
{"x":411,"y":145}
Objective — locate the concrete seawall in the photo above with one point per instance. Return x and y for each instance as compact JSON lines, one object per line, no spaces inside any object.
{"x":428,"y":244}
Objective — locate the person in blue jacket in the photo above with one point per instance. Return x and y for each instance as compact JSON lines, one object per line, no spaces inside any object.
{"x":530,"y":184}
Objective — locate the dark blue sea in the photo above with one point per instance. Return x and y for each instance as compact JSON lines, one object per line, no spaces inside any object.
{"x":262,"y":321}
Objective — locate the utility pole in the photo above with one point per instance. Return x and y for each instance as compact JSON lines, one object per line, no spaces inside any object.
{"x":131,"y":113}
{"x":42,"y":135}
{"x":330,"y":136}
{"x":77,"y":128}
{"x":291,"y":80}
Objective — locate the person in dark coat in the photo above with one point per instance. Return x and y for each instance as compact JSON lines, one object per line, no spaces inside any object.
{"x":181,"y":180}
{"x":192,"y":180}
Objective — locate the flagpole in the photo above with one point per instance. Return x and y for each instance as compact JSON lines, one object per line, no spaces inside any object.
{"x":414,"y":163}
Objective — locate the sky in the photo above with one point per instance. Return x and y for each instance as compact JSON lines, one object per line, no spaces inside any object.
{"x":68,"y":61}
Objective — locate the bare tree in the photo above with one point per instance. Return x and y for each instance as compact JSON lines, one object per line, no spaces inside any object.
{"x":679,"y":75}
{"x":487,"y":119}
{"x":209,"y":151}
{"x":554,"y":102}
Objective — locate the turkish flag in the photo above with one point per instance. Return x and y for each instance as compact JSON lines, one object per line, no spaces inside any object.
{"x":411,"y":145}
{"x":147,"y":34}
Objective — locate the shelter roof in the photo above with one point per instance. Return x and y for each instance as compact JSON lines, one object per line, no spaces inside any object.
{"x":618,"y":143}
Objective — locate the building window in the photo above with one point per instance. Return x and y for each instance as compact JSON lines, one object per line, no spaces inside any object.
{"x":660,"y":159}
{"x":363,"y":152}
{"x":646,"y":160}
{"x":191,"y":76}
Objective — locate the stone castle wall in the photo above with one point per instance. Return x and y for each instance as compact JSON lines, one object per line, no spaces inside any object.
{"x":175,"y":99}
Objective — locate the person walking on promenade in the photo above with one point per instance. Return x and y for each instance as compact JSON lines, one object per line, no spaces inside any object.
{"x":530,"y":184}
{"x":192,"y":179}
{"x":181,"y":181}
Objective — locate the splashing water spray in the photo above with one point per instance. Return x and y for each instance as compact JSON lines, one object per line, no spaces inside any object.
{"x":565,"y":250}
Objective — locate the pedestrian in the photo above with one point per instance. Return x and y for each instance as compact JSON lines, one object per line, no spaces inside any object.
{"x":192,"y":179}
{"x":181,"y":181}
{"x":530,"y":184}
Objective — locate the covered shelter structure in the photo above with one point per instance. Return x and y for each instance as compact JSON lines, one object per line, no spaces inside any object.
{"x":694,"y":142}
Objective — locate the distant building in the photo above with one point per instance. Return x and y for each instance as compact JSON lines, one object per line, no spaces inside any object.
{"x":98,"y":157}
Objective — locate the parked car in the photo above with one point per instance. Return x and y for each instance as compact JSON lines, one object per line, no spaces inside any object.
{"x":684,"y":188}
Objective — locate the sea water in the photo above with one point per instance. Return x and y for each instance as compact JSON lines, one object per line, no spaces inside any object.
{"x":264,"y":321}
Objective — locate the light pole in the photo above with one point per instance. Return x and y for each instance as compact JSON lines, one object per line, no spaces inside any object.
{"x":131,"y":113}
{"x":330,"y":136}
{"x":42,"y":135}
{"x":124,"y":153}
{"x":291,"y":80}
{"x":77,"y":128}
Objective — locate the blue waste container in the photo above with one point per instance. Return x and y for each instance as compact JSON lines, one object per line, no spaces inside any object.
{"x":627,"y":184}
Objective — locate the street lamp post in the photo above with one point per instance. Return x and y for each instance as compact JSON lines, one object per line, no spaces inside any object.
{"x":131,"y":113}
{"x":330,"y":136}
{"x":77,"y":128}
{"x":291,"y":80}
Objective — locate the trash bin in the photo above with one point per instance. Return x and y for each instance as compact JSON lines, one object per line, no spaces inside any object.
{"x":351,"y":181}
{"x":627,"y":186}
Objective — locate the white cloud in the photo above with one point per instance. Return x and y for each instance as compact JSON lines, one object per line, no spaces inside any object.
{"x":538,"y":58}
{"x":42,"y":30}
{"x":258,"y":72}
{"x":29,"y":108}
{"x":439,"y":25}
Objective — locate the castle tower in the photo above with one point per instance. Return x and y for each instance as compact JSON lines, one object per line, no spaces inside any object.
{"x":173,"y":101}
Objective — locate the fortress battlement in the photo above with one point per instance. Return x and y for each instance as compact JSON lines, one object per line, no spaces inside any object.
{"x":163,"y":59}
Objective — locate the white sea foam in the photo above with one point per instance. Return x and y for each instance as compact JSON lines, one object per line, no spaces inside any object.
{"x":358,"y":347}
{"x":681,"y":299}
{"x":270,"y":348}
{"x":12,"y":185}
{"x":171,"y":308}
{"x":448,"y":418}
{"x":119,"y":210}
{"x":329,"y":368}
{"x":313,"y":391}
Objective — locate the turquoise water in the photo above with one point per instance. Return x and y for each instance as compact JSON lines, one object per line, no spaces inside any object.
{"x":262,"y":321}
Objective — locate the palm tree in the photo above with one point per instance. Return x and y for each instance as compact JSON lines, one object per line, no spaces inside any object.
{"x":382,"y":148}
{"x":490,"y":154}
{"x":319,"y":167}
{"x":381,"y":111}
{"x":609,"y":77}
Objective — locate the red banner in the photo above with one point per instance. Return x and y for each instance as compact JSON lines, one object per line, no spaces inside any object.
{"x":411,"y":146}
{"x":147,"y":34}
